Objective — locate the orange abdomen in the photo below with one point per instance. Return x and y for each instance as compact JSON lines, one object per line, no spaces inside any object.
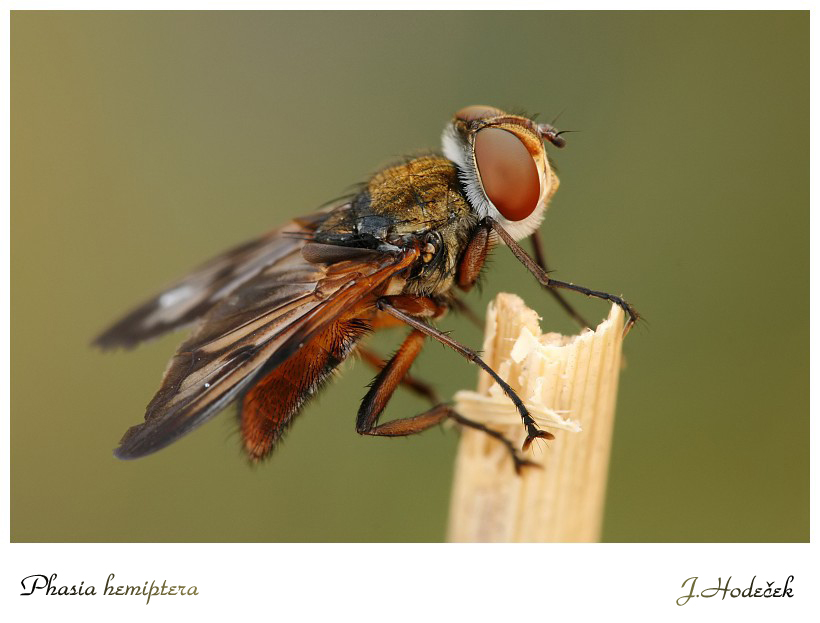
{"x":269,"y":407}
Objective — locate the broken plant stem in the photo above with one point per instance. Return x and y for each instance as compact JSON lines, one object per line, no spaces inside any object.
{"x":569,"y":385}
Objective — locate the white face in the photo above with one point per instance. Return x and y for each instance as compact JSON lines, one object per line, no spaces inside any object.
{"x":503,"y":165}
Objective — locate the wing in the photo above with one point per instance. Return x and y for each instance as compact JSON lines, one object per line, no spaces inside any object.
{"x":262,"y":323}
{"x":195,"y":294}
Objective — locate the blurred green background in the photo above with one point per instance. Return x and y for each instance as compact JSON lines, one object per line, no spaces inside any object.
{"x":144,"y":143}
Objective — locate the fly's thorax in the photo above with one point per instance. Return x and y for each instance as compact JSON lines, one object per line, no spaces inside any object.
{"x":419,"y":201}
{"x":418,"y":194}
{"x":425,"y":198}
{"x":434,"y":273}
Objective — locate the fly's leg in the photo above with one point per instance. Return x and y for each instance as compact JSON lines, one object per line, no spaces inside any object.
{"x":518,"y":462}
{"x":545,"y":280}
{"x":382,"y":388}
{"x":416,"y":386}
{"x":475,"y":255}
{"x":541,"y":260}
{"x":394,"y":305}
{"x":472,"y":259}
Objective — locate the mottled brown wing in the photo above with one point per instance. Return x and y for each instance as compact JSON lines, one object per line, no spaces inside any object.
{"x":263,"y":322}
{"x":191,"y":297}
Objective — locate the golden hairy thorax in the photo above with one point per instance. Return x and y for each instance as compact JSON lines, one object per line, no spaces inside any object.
{"x":425,"y":188}
{"x":422,"y":197}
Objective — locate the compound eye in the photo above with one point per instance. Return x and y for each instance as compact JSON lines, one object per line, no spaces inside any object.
{"x":471,"y":113}
{"x":508,"y":173}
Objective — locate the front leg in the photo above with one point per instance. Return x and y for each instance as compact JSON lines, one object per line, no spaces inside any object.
{"x":545,"y":280}
{"x":474,"y":256}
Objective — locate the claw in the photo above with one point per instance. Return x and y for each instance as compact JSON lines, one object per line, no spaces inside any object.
{"x":533,"y":434}
{"x":630,"y":323}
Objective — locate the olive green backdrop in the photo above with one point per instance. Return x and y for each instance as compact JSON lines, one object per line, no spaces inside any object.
{"x":143,"y":143}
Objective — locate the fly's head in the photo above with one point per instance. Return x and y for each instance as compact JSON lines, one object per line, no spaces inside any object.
{"x":503,"y":165}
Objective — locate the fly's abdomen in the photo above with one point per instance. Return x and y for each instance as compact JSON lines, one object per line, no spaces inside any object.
{"x":269,"y":407}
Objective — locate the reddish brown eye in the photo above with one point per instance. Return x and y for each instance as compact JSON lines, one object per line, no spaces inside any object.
{"x":508,"y":173}
{"x":471,"y":113}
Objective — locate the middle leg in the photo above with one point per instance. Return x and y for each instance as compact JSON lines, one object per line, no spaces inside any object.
{"x":418,"y":387}
{"x":382,"y":388}
{"x":396,"y":305}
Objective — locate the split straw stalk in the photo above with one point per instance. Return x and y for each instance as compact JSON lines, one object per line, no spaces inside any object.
{"x":569,"y":385}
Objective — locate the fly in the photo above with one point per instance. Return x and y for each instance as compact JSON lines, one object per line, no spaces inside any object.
{"x":275,"y":316}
